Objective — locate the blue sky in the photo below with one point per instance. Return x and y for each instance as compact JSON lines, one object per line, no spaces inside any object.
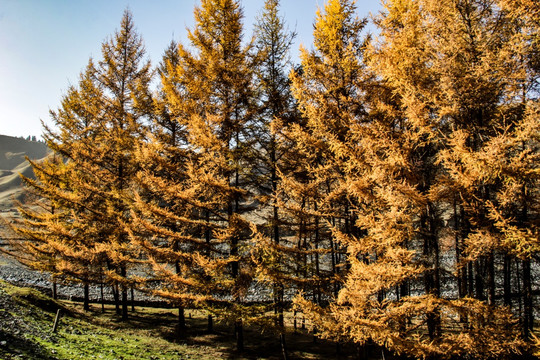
{"x":44,"y":44}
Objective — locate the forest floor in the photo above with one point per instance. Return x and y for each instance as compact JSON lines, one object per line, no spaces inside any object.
{"x":27,"y":317}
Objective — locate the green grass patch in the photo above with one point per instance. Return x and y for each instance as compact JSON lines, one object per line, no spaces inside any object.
{"x":78,"y":339}
{"x":27,"y":317}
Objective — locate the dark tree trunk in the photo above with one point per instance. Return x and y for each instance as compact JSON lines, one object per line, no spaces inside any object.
{"x":181,"y":320}
{"x":125,"y":304}
{"x":86,"y":305}
{"x":432,"y":278}
{"x":102,"y":299}
{"x":404,"y":287}
{"x":132,"y":300}
{"x":528,"y":317}
{"x":519,"y":276}
{"x":461,"y":270}
{"x":362,"y":352}
{"x":528,"y":314}
{"x":470,"y":280}
{"x":278,"y":287}
{"x":507,"y":268}
{"x":491,"y":278}
{"x":239,"y":332}
{"x":116,"y":297}
{"x":54,"y":290}
{"x":478,"y":280}
{"x":317,"y":260}
{"x":283,"y":343}
{"x":181,"y":317}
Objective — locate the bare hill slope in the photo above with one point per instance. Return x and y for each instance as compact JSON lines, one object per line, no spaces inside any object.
{"x":13,"y":153}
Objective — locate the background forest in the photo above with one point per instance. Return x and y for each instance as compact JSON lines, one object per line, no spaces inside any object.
{"x":386,"y":186}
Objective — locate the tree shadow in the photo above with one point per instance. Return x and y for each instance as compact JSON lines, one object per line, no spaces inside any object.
{"x":17,"y":347}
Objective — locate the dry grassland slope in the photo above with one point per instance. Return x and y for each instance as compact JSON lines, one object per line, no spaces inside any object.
{"x":13,"y":153}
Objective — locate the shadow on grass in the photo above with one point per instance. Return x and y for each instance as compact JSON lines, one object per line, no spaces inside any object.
{"x":17,"y":347}
{"x":258,"y":344}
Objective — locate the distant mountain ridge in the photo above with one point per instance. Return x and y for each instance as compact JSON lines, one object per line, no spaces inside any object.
{"x":13,"y":153}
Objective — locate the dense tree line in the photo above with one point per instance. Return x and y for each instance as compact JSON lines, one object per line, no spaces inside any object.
{"x":386,"y":186}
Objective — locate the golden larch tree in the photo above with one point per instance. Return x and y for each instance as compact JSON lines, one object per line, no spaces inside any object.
{"x":210,"y":93}
{"x":98,"y":127}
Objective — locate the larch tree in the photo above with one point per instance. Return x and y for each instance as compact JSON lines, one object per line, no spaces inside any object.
{"x":492,"y":150}
{"x":330,"y":94}
{"x":68,"y":245}
{"x":211,"y":90}
{"x":37,"y":210}
{"x":127,"y":105}
{"x":276,"y":105}
{"x":98,"y":127}
{"x":520,"y":145}
{"x":163,"y":225}
{"x":442,"y":62}
{"x":330,"y":89}
{"x":397,"y":291}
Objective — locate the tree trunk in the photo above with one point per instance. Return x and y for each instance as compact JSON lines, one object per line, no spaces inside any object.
{"x":116,"y":296}
{"x":491,"y":278}
{"x":102,"y":299}
{"x":470,"y":279}
{"x":528,"y":317}
{"x":461,"y":270}
{"x":86,"y":297}
{"x":54,"y":290}
{"x":239,"y":332}
{"x":125,"y":304}
{"x":404,"y":287}
{"x":478,"y":280}
{"x":181,"y":319}
{"x":132,"y":300}
{"x":432,"y":278}
{"x":278,"y":287}
{"x":362,"y":351}
{"x":283,"y":345}
{"x":317,"y":289}
{"x":210,"y":324}
{"x":507,"y":268}
{"x":519,"y":277}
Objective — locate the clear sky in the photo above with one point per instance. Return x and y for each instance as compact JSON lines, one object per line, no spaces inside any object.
{"x":44,"y":44}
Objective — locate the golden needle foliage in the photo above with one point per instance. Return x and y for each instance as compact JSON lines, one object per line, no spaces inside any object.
{"x":389,"y":184}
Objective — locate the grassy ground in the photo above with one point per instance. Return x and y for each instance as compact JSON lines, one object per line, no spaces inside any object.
{"x":27,"y":316}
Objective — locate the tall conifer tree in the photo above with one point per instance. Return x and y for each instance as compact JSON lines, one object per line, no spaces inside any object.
{"x":438,"y":84}
{"x":489,"y":154}
{"x":162,"y":213}
{"x":213,"y":87}
{"x":127,"y":105}
{"x":330,"y":97}
{"x":98,"y":127}
{"x":70,"y":243}
{"x":276,"y":105}
{"x":272,"y":45}
{"x":388,"y":166}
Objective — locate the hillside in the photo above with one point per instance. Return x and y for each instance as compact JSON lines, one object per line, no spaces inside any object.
{"x":27,"y":317}
{"x":13,"y":153}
